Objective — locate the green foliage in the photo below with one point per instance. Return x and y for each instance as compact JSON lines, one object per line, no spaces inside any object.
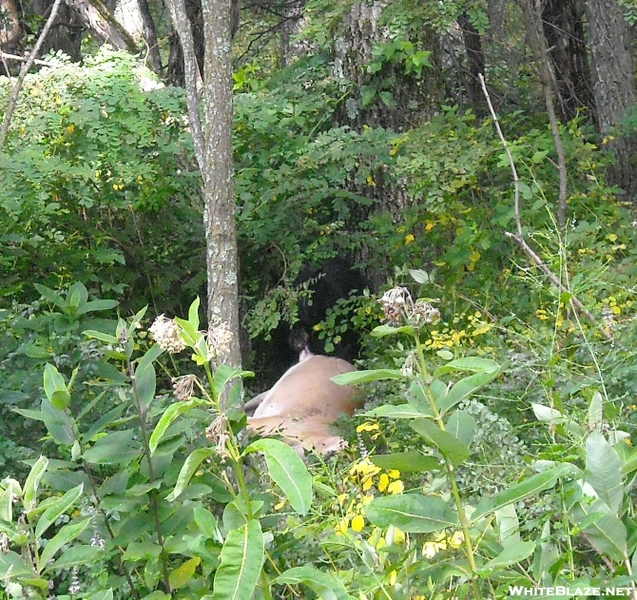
{"x":97,"y":185}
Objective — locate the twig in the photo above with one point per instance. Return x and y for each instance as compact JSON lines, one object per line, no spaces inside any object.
{"x":37,"y":61}
{"x":545,"y":75}
{"x":519,"y":237}
{"x":15,"y":92}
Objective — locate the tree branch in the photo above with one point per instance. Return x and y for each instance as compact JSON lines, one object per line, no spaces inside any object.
{"x":15,"y":91}
{"x":519,"y":237}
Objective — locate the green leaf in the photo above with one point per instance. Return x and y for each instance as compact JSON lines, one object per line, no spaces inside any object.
{"x":141,"y":551}
{"x":188,"y":469}
{"x":603,"y":470}
{"x":105,"y":595}
{"x":595,"y":412}
{"x":145,"y":384}
{"x":64,"y":536}
{"x":529,"y":487}
{"x":77,"y":294}
{"x":50,"y":295}
{"x":58,"y":423}
{"x":288,"y":471}
{"x":14,"y":565}
{"x":193,"y":313}
{"x":241,"y":561}
{"x":170,"y":414}
{"x":471,"y":364}
{"x":384,"y":330}
{"x":55,"y":387}
{"x":56,"y":509}
{"x":607,"y":533}
{"x":356,"y":377}
{"x":464,"y":388}
{"x":399,"y":411}
{"x":206,"y":522}
{"x":96,"y":305}
{"x":100,"y":335}
{"x":367,"y":95}
{"x":32,"y":483}
{"x":325,"y":585}
{"x":115,"y":448}
{"x":512,"y":554}
{"x":406,"y":462}
{"x":7,"y":498}
{"x":180,"y":576}
{"x":461,"y":425}
{"x":74,"y":556}
{"x":450,"y":447}
{"x":411,"y":513}
{"x":508,"y":524}
{"x":226,"y":373}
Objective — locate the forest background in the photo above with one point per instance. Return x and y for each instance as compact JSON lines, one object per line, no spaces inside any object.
{"x":478,"y":154}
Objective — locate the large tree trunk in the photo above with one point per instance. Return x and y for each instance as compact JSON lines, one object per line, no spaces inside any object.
{"x":219,"y":216}
{"x":564,"y":31}
{"x":613,"y":84}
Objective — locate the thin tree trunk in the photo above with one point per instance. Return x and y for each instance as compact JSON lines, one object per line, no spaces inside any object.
{"x":219,"y":215}
{"x":150,"y":35}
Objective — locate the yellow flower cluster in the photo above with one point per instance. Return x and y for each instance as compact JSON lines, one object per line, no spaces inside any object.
{"x":463,"y":331}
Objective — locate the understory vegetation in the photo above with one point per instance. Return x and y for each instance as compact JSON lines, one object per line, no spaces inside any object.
{"x":497,"y":344}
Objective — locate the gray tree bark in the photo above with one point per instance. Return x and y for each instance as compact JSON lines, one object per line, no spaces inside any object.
{"x":613,"y":85}
{"x":213,"y":149}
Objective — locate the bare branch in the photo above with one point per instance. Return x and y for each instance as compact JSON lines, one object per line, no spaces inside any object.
{"x":192,"y":76}
{"x":15,"y":92}
{"x":519,"y":238}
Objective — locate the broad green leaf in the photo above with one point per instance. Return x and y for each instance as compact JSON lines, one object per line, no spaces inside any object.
{"x":470,"y":364}
{"x":58,"y":423}
{"x":206,"y":522}
{"x":603,"y":470}
{"x":50,"y":295}
{"x":450,"y":447}
{"x":33,"y":482}
{"x":77,"y":294}
{"x":74,"y":556}
{"x":417,"y":398}
{"x":464,"y":388}
{"x":151,"y":355}
{"x":288,"y":470}
{"x":188,"y":469}
{"x":55,"y":387}
{"x":141,"y":551}
{"x":145,"y":383}
{"x":356,"y":377}
{"x":546,"y":414}
{"x":96,"y":305}
{"x":64,"y":536}
{"x":159,"y":595}
{"x":170,"y":414}
{"x":7,"y":499}
{"x":180,"y":576}
{"x":508,"y":524}
{"x":607,"y":533}
{"x":114,"y":448}
{"x":595,"y":412}
{"x":58,"y":508}
{"x":241,"y":561}
{"x":419,"y":275}
{"x":529,"y":487}
{"x":406,"y":462}
{"x":412,"y":513}
{"x":461,"y":425}
{"x":383,"y":330}
{"x":325,"y":585}
{"x":14,"y":565}
{"x":399,"y":411}
{"x":226,"y":373}
{"x":100,"y":335}
{"x":512,"y":554}
{"x":193,"y":313}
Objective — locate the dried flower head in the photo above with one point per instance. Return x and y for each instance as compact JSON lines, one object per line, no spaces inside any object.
{"x":184,"y":386}
{"x":424,"y":312}
{"x":396,"y":303}
{"x":218,"y":338}
{"x":166,"y":333}
{"x":217,"y":433}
